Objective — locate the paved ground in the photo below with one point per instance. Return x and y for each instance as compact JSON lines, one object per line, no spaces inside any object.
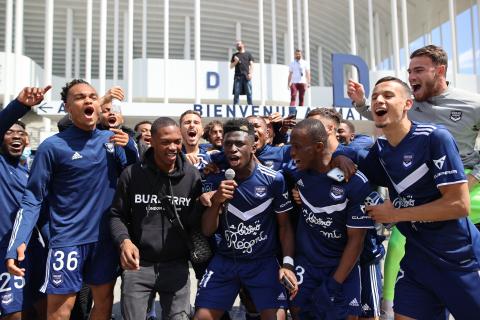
{"x":237,"y":312}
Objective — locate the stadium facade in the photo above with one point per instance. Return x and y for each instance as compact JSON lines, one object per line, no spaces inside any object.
{"x":173,"y":54}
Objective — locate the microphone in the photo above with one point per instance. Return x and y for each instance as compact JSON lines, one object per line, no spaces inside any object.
{"x":229,"y":175}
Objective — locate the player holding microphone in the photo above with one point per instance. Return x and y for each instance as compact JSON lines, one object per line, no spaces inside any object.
{"x":250,"y":214}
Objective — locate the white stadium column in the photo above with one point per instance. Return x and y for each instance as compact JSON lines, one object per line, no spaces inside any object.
{"x":197,"y":51}
{"x":116,"y":21}
{"x":102,"y":59}
{"x":125,"y":45}
{"x":290,"y":30}
{"x":472,"y":30}
{"x":306,"y":32}
{"x":371,"y":37}
{"x":47,"y":58}
{"x":166,"y":46}
{"x":353,"y":37}
{"x":299,"y":24}
{"x":238,"y":31}
{"x":186,"y":43}
{"x":88,"y":44}
{"x":48,"y":49}
{"x":144,"y":29}
{"x":395,"y":41}
{"x":130,"y":53}
{"x":453,"y":39}
{"x":69,"y":45}
{"x":8,"y":50}
{"x":18,"y":40}
{"x":321,"y":81}
{"x":378,"y":50}
{"x":406,"y":46}
{"x":262,"y":52}
{"x":77,"y":58}
{"x":475,"y":54}
{"x":274,"y":32}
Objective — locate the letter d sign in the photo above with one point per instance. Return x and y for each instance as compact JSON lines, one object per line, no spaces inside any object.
{"x":339,"y":83}
{"x":213,"y":80}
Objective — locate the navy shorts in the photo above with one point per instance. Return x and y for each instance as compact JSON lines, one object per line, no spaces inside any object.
{"x":424,"y":291}
{"x":69,"y":267}
{"x":371,"y":275}
{"x":224,"y":276}
{"x":310,"y":277}
{"x":20,"y":293}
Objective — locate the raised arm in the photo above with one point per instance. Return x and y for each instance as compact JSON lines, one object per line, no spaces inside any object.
{"x":28,"y":97}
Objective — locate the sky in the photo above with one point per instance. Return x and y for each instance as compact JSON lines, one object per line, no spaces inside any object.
{"x":464,"y":42}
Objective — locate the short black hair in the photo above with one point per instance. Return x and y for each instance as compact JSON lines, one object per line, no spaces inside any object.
{"x":162,"y":122}
{"x":262,"y":119}
{"x":140,"y":123}
{"x":349,"y":124}
{"x":405,"y":86}
{"x":21,"y":124}
{"x":69,"y":85}
{"x":328,"y":113}
{"x":189,"y":112}
{"x":314,"y":129}
{"x":239,"y":125}
{"x":209,"y":127}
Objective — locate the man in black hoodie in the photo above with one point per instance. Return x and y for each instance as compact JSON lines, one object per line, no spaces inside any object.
{"x":153,"y":251}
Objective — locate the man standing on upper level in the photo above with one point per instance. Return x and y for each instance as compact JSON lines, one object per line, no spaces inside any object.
{"x":242,"y":61}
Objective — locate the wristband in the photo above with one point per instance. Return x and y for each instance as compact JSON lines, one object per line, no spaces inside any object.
{"x":288,"y":263}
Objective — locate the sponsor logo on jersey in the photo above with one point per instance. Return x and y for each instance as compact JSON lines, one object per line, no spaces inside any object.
{"x":7,"y":298}
{"x":245,"y":236}
{"x":57,"y":279}
{"x":110,"y":147}
{"x":361,"y":217}
{"x":407,"y":160}
{"x":354,"y":303}
{"x":336,"y":192}
{"x":455,"y":115}
{"x":312,"y":219}
{"x":439,"y":162}
{"x":260,"y":191}
{"x":281,"y":297}
{"x":285,"y":195}
{"x":76,"y":156}
{"x":404,"y":202}
{"x":444,"y":173}
{"x":300,"y":183}
{"x":365,"y":307}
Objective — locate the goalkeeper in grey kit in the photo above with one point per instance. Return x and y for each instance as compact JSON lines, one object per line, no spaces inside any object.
{"x":153,"y":250}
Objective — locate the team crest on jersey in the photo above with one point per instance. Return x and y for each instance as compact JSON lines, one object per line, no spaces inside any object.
{"x":260,"y":191}
{"x":407,"y":160}
{"x":110,"y":147}
{"x":207,"y":187}
{"x":57,"y":279}
{"x":7,"y":298}
{"x":455,"y":115}
{"x":336,"y":192}
{"x":268,"y":163}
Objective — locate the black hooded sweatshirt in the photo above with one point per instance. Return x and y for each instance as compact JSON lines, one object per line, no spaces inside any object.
{"x":139,"y":208}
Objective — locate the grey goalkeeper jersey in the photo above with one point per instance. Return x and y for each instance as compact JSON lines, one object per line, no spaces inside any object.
{"x":455,"y":109}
